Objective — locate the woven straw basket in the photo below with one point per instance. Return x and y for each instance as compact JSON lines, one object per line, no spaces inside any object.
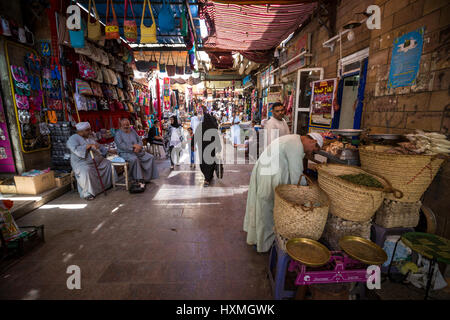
{"x":351,"y":201}
{"x":396,"y":214}
{"x":411,"y":174}
{"x":295,"y":220}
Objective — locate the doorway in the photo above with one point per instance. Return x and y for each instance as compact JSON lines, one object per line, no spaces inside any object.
{"x":349,"y":101}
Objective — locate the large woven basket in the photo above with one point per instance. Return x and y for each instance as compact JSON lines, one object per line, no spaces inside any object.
{"x":411,"y":174}
{"x":292,"y":218}
{"x":348,"y":200}
{"x":396,"y":214}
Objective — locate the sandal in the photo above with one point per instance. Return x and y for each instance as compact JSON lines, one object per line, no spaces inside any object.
{"x":206,"y":184}
{"x":89,"y":198}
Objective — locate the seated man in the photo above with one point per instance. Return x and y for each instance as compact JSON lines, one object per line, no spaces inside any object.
{"x":80,"y":146}
{"x":129,"y":145}
{"x":155,"y":136}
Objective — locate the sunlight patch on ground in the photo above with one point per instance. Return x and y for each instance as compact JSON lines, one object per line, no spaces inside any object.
{"x":180,"y":192}
{"x":64,"y":206}
{"x":67,"y":257}
{"x":98,"y":227}
{"x":185,"y":204}
{"x":33,"y":294}
{"x":21,"y":198}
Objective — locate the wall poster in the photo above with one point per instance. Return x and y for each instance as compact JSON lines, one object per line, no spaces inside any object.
{"x":321,"y":110}
{"x":405,"y":61}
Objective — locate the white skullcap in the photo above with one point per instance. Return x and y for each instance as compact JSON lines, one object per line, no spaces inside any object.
{"x":82,"y":126}
{"x":318,"y":137}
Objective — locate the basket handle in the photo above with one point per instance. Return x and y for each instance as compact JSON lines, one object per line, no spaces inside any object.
{"x":310,"y":182}
{"x":307,"y":208}
{"x":397,"y":193}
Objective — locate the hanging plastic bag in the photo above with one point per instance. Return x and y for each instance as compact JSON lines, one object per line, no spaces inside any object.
{"x":94,"y":29}
{"x":166,"y":21}
{"x":148,"y":34}
{"x":420,"y":279}
{"x":129,"y":26}
{"x":112,"y":27}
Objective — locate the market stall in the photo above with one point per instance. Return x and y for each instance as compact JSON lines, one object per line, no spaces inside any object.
{"x":367,"y":195}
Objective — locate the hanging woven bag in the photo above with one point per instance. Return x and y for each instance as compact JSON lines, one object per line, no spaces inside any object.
{"x":129,"y":26}
{"x":148,"y":34}
{"x":94,"y":29}
{"x":112,"y":27}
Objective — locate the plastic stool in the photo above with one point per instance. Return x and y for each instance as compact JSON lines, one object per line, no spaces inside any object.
{"x":282,"y":259}
{"x":379,"y":234}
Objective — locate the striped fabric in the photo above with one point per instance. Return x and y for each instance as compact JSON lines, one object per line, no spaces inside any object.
{"x":251,"y":27}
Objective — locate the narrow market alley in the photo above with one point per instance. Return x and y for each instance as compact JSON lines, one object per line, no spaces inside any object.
{"x":177,"y":240}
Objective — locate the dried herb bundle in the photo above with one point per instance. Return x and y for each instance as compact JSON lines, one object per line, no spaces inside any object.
{"x":363,"y":180}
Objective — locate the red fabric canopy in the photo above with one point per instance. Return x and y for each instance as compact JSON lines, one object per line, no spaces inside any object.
{"x":251,"y":27}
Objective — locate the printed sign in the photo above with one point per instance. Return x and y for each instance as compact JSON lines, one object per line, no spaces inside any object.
{"x":405,"y":60}
{"x":322,"y":112}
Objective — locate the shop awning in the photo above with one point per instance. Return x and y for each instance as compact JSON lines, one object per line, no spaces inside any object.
{"x":251,"y":27}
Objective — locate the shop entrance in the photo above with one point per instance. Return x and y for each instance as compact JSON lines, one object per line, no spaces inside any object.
{"x":349,"y":101}
{"x":305,"y":79}
{"x":350,"y":98}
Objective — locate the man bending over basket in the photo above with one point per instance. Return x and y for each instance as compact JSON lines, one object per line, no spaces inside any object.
{"x":280,"y":163}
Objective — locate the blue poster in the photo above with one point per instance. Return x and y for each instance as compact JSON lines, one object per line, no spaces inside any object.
{"x":405,"y":60}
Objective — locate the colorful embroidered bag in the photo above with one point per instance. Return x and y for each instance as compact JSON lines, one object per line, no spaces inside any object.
{"x":129,"y":26}
{"x":111,"y":28}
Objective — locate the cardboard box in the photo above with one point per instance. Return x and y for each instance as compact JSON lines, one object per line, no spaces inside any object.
{"x":8,"y":188}
{"x":35,"y":185}
{"x":62,"y":179}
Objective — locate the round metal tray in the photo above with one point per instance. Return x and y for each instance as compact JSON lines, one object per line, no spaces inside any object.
{"x":347,"y":132}
{"x":309,"y":252}
{"x":387,"y":136}
{"x":363,"y":250}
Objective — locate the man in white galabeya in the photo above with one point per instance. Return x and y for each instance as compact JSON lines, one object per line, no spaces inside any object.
{"x":280,"y":163}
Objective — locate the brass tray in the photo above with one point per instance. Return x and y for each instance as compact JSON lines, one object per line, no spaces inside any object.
{"x":309,"y":252}
{"x":363,"y":250}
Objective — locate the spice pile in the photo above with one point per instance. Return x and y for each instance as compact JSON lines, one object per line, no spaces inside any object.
{"x":363,"y":180}
{"x":429,"y":143}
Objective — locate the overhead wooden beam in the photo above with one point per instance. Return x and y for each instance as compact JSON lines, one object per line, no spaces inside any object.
{"x":191,"y":21}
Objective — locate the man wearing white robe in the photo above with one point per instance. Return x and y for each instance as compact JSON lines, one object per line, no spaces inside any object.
{"x":81,"y":146}
{"x":276,"y":126}
{"x":280,"y":163}
{"x":142,"y":166}
{"x":195,"y":121}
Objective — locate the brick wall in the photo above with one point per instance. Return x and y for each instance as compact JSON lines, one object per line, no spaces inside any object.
{"x":426,"y":104}
{"x":422,"y":106}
